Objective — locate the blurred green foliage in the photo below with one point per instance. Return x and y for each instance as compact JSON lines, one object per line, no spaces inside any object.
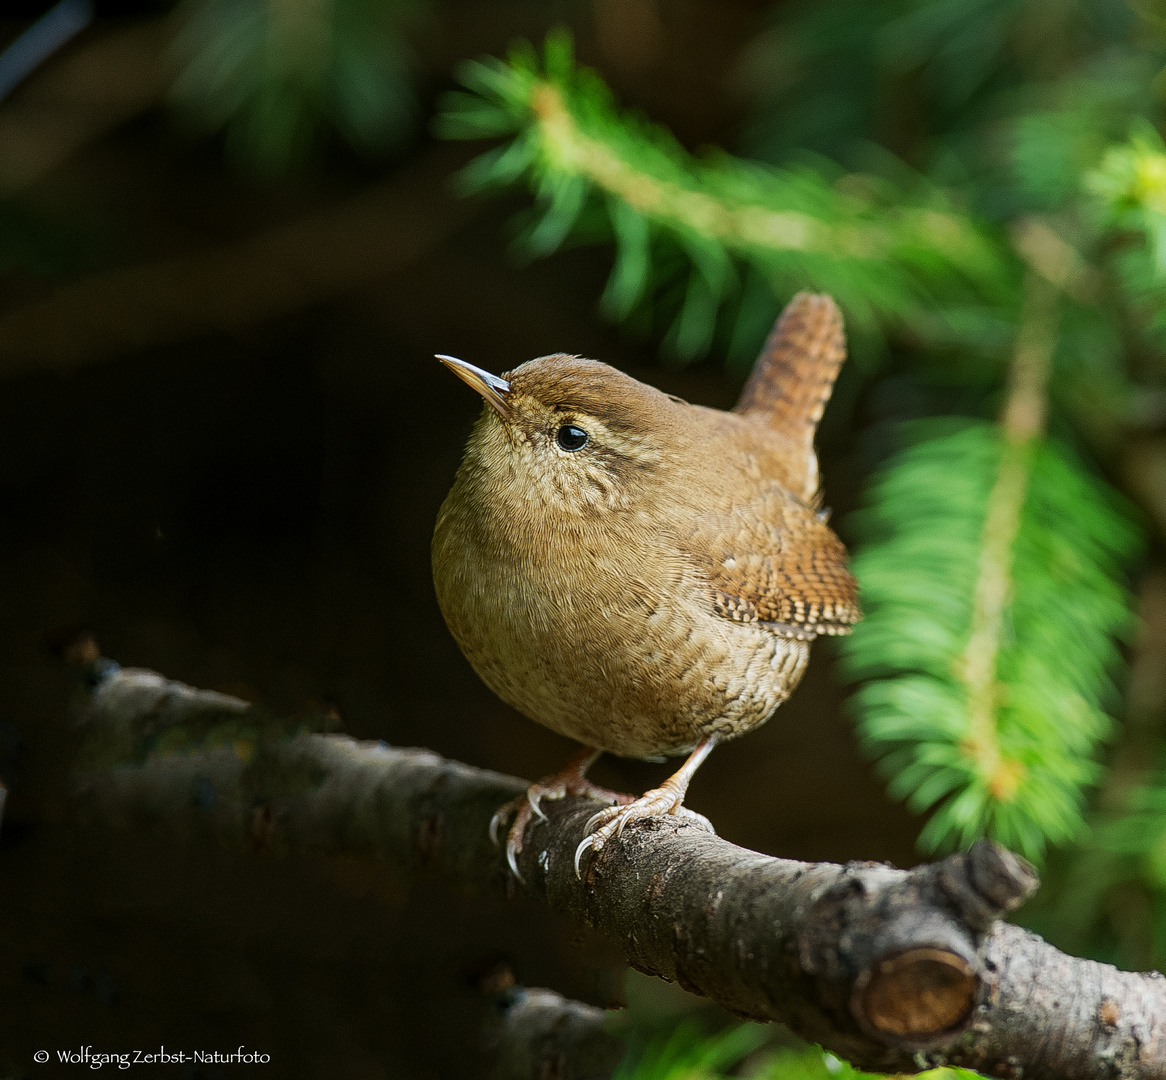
{"x":278,"y":76}
{"x":687,"y":1053}
{"x":716,"y":236}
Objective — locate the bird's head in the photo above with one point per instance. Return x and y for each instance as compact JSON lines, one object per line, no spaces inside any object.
{"x":568,"y":436}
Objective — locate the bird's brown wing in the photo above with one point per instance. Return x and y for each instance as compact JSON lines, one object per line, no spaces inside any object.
{"x":777,"y":563}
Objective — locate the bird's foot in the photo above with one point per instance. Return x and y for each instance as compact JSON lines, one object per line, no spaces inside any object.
{"x":609,"y":824}
{"x":526,"y":808}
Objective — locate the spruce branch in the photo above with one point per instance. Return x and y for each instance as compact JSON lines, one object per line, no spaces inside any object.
{"x":889,"y":257}
{"x":682,"y":204}
{"x":1021,"y":426}
{"x":894,"y":970}
{"x":991,"y":578}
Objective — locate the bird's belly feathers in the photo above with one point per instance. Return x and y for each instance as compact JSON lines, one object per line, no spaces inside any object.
{"x":622,"y":667}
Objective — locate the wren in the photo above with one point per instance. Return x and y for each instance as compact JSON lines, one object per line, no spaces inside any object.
{"x":641,"y":574}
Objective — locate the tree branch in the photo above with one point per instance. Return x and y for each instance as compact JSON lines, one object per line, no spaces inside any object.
{"x":895,"y":970}
{"x":542,"y":1034}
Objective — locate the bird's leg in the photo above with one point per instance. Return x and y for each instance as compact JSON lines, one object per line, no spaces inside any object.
{"x":571,"y":779}
{"x":666,"y":799}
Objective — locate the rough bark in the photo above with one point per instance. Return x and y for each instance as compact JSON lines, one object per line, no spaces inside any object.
{"x":894,"y":970}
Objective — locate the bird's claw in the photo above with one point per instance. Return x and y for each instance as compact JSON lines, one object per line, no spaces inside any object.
{"x":584,"y":844}
{"x":527,"y":807}
{"x":512,"y":850}
{"x":531,"y":799}
{"x":610,"y":822}
{"x":514,"y":835}
{"x":533,"y":795}
{"x":500,"y":815}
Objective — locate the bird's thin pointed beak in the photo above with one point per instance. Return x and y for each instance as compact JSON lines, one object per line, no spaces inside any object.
{"x":492,"y":388}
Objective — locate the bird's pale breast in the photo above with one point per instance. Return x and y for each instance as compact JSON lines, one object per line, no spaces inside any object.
{"x":612,"y":641}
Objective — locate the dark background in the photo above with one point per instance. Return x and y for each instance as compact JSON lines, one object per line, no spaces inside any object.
{"x":248,"y":508}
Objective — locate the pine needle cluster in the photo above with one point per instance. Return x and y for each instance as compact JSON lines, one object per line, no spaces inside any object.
{"x":715,"y":235}
{"x":1019,"y":771}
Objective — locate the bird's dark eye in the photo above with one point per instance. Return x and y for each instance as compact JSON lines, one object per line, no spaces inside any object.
{"x":571,"y":438}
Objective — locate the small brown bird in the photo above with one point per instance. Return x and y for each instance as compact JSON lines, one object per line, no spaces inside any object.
{"x":638,"y":573}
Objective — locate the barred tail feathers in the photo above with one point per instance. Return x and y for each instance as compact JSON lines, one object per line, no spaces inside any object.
{"x":793,"y":377}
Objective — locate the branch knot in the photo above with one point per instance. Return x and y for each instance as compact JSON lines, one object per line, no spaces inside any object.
{"x":883,"y":946}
